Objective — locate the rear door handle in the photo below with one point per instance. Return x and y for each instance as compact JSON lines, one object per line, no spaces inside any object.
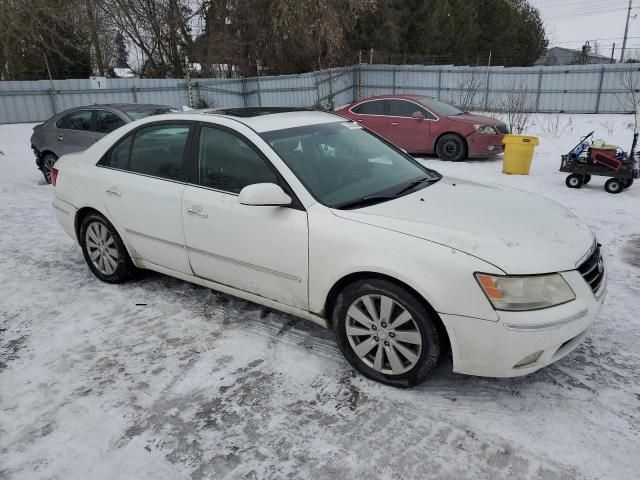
{"x":395,"y":124}
{"x":197,"y":211}
{"x":360,"y":121}
{"x":60,"y":138}
{"x":113,"y":191}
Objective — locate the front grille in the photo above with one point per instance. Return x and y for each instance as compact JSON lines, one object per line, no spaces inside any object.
{"x":502,"y":128}
{"x":592,"y":269}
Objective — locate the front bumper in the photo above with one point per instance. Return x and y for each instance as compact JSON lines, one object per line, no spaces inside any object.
{"x":523,"y":342}
{"x":482,"y":145}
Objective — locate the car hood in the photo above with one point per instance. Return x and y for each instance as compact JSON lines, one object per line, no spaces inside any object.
{"x":476,"y":119}
{"x":518,"y":232}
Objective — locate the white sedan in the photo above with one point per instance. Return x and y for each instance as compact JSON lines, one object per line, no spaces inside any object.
{"x":313,"y":215}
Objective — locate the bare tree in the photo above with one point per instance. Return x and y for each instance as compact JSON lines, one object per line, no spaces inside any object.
{"x":630,"y":97}
{"x":518,"y":106}
{"x":470,"y":84}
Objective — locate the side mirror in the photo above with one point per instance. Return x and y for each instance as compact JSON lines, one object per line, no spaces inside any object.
{"x":264,"y":194}
{"x":418,"y":115}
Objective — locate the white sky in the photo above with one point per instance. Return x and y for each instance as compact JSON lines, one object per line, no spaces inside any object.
{"x":569,"y":23}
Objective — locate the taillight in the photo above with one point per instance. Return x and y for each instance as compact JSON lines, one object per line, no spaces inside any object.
{"x":54,"y":175}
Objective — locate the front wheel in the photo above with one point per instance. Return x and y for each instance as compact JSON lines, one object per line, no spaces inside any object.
{"x":386,"y":333}
{"x":574,"y":181}
{"x":47,"y":164}
{"x":451,"y":147}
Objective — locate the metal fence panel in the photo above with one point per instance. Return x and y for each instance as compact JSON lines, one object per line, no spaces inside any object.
{"x":570,"y":89}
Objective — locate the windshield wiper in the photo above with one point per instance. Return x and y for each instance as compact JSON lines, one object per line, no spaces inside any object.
{"x":414,"y":184}
{"x":365,"y":201}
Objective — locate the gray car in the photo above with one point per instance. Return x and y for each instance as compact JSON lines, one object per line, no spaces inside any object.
{"x":78,"y":128}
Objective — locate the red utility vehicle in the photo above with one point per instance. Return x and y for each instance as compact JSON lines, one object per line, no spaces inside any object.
{"x":425,"y":125}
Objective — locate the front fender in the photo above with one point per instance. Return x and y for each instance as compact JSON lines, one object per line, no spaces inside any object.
{"x":443,"y":276}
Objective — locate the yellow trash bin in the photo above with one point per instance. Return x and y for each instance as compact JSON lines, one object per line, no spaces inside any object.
{"x":518,"y":153}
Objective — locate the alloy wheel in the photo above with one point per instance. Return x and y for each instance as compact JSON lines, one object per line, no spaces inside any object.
{"x":383,"y":334}
{"x":101,"y":248}
{"x":47,"y":165}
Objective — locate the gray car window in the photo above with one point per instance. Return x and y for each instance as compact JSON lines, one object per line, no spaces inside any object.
{"x":107,"y":122}
{"x":80,"y":120}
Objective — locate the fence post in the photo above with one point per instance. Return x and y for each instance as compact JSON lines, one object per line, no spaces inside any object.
{"x":317,"y":75}
{"x":394,"y":80}
{"x":538,"y":92}
{"x":54,"y":105}
{"x":197,"y":86}
{"x":135,"y":94}
{"x":599,"y":90}
{"x":486,"y":91}
{"x":244,"y":92}
{"x":439,"y":82}
{"x":259,"y":94}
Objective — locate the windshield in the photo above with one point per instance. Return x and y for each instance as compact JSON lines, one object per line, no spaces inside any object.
{"x":137,"y":114}
{"x":344,"y":166}
{"x":440,"y":107}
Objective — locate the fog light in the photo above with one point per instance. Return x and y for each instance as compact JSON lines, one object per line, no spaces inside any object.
{"x":529,"y":359}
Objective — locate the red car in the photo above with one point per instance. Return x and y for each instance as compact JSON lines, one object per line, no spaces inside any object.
{"x":425,"y":125}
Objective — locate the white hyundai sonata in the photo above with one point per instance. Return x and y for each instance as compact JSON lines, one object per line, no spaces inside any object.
{"x":313,"y":215}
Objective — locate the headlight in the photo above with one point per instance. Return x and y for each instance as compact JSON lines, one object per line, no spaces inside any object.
{"x":520,"y":293}
{"x":485,"y":129}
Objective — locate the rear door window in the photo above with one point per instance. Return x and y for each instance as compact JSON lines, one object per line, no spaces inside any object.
{"x":374,"y":107}
{"x":156,"y":150}
{"x":80,"y":120}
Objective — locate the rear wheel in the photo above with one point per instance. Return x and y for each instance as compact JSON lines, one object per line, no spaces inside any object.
{"x":614,"y":185}
{"x":627,"y":182}
{"x":574,"y":181}
{"x":451,"y":147}
{"x":47,"y":164}
{"x":586,"y":179}
{"x":104,"y":250}
{"x":386,"y":333}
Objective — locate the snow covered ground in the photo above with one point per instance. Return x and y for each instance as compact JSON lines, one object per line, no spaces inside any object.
{"x":162,"y":379}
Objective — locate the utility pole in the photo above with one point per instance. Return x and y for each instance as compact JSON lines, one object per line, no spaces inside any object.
{"x":626,"y":32}
{"x":613,"y":52}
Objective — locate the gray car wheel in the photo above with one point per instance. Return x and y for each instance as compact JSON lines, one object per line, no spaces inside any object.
{"x":47,"y":164}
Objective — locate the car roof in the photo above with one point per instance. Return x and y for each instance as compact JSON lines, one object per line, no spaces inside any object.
{"x":139,"y":106}
{"x":395,"y":97}
{"x":266,"y":119}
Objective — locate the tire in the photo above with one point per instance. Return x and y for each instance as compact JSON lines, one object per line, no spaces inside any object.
{"x":104,"y":250}
{"x":383,"y":356}
{"x":451,"y":147}
{"x":574,"y":181}
{"x":586,"y":179}
{"x":627,"y":182}
{"x":47,"y":163}
{"x":614,"y":185}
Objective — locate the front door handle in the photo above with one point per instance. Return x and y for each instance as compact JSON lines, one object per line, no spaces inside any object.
{"x":113,"y":191}
{"x":60,"y":138}
{"x":360,"y":121}
{"x":395,"y":124}
{"x":197,"y":211}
